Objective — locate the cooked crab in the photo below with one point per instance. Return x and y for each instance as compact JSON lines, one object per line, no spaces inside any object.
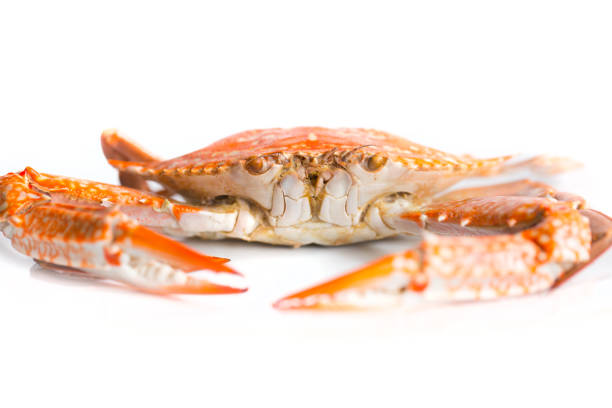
{"x":303,"y":186}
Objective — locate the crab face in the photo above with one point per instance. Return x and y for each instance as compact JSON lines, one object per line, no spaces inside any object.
{"x":311,"y":185}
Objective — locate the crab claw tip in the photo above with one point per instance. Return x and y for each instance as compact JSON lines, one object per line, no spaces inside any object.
{"x":204,"y":287}
{"x":356,"y":289}
{"x":176,"y":253}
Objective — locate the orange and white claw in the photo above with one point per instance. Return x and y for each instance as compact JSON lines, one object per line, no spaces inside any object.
{"x":459,"y":268}
{"x":156,"y":263}
{"x":146,"y":208}
{"x":378,"y":284}
{"x":107,"y":244}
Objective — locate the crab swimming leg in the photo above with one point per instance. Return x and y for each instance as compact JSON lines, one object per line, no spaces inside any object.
{"x":530,"y":244}
{"x":526,"y":187}
{"x":116,"y":147}
{"x":104,"y":242}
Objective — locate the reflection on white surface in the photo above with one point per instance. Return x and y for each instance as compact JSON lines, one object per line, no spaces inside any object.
{"x":275,"y":271}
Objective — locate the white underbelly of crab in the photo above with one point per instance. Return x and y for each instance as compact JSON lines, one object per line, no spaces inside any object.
{"x":250,"y":226}
{"x":351,"y":205}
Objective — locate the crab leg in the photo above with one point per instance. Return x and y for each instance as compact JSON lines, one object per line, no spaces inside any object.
{"x":539,"y":242}
{"x":527,"y":188}
{"x":146,"y":208}
{"x":103,"y":242}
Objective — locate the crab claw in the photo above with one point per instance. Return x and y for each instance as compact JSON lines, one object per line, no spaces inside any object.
{"x":106,"y":243}
{"x":558,"y":242}
{"x":169,"y":263}
{"x":601,"y":233}
{"x":376,"y":284}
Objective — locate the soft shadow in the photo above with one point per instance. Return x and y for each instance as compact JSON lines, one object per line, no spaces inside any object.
{"x":13,"y":256}
{"x":68,"y":278}
{"x":79,"y":279}
{"x":238,"y":250}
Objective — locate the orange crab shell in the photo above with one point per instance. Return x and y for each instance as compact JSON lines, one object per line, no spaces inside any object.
{"x":310,"y":142}
{"x":301,"y":185}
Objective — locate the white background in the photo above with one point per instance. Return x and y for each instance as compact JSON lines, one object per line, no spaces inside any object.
{"x":468,"y":77}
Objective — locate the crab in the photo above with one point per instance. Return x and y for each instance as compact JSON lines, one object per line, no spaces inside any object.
{"x":308,"y":185}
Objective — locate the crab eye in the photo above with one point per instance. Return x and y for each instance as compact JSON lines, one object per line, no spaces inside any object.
{"x":375,"y":162}
{"x":257,"y":165}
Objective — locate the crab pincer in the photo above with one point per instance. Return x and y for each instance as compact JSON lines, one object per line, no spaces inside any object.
{"x":527,"y":245}
{"x":105,"y":243}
